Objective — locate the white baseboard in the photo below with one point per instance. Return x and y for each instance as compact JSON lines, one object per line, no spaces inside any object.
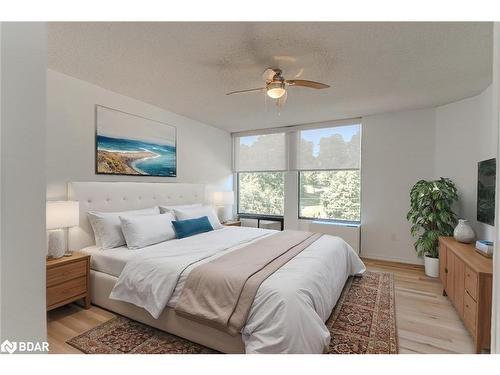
{"x":391,"y":259}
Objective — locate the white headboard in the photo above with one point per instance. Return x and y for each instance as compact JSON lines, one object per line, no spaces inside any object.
{"x":122,"y":196}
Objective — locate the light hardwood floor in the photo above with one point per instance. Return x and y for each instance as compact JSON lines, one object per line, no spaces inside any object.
{"x":426,"y":321}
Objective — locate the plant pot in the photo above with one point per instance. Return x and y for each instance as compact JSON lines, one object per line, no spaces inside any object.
{"x":431,"y":266}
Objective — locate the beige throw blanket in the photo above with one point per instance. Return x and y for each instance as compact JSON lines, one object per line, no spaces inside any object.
{"x":220,"y":293}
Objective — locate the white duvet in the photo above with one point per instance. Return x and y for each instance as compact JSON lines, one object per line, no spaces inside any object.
{"x":291,"y":306}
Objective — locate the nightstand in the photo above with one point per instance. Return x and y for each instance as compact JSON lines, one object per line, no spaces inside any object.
{"x":232,"y":223}
{"x":68,"y":280}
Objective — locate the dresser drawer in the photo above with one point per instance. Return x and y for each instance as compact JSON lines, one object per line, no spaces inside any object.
{"x":65,"y":272}
{"x":66,"y":291}
{"x":470,"y":313}
{"x":471,"y":282}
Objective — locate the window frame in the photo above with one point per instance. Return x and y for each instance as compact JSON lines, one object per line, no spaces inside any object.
{"x":292,"y":132}
{"x":260,"y":216}
{"x":342,"y":221}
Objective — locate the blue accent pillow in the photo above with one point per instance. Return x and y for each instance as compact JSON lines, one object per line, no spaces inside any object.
{"x":190,"y":227}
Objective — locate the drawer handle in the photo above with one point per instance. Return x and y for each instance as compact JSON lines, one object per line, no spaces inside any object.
{"x":446,"y":270}
{"x":466,"y":305}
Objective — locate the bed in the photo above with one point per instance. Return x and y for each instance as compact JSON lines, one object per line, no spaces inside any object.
{"x":289,"y":309}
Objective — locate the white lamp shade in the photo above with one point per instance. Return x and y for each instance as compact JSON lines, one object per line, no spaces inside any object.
{"x":62,"y":214}
{"x":223,"y":198}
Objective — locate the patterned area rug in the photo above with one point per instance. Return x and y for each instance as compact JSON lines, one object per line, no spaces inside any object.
{"x":364,"y":319}
{"x":363,"y":322}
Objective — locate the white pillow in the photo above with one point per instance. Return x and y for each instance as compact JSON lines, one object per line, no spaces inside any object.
{"x":141,"y":231}
{"x":195,"y":212}
{"x":107,"y":226}
{"x":164,"y":209}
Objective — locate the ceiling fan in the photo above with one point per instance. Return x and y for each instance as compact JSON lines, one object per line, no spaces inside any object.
{"x":276,"y":85}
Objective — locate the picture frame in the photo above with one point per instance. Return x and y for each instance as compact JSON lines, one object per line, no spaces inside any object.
{"x":131,"y":145}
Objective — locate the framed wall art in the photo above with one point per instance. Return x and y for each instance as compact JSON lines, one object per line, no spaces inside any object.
{"x":128,"y":144}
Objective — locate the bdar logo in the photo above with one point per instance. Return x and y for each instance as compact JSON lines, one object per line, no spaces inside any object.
{"x":8,"y":347}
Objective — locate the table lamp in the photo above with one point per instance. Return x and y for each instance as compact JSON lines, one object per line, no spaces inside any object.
{"x":223,"y":200}
{"x":60,"y":214}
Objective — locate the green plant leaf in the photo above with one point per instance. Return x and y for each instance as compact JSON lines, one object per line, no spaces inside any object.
{"x":431,"y":214}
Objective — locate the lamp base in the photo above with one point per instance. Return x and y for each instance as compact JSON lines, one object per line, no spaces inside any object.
{"x":56,"y":244}
{"x":224,"y":213}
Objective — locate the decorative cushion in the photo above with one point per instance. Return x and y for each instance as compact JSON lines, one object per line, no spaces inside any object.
{"x":107,"y":226}
{"x":141,"y":231}
{"x":196,"y":212}
{"x":190,"y":227}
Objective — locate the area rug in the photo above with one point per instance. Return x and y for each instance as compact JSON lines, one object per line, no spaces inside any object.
{"x":363,"y":322}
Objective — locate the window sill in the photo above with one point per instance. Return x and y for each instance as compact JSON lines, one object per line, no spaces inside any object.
{"x":260,"y":216}
{"x":355,"y":224}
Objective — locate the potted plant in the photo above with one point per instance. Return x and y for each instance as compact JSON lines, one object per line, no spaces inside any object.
{"x":431,"y":216}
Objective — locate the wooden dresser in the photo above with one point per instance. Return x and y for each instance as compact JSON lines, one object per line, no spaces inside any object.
{"x":68,"y":280}
{"x":467,"y":281}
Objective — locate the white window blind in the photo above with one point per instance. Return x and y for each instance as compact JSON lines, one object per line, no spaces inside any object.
{"x":332,"y":148}
{"x":260,"y":153}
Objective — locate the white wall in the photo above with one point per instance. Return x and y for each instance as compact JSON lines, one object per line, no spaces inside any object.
{"x":203,"y":152}
{"x":465,"y":135}
{"x":397,"y":151}
{"x":495,"y":321}
{"x":22,"y":166}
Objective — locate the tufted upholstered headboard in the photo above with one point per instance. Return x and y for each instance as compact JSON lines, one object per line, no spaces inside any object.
{"x":122,"y":196}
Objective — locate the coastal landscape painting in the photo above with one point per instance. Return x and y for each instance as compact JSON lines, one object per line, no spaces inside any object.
{"x":127,"y":144}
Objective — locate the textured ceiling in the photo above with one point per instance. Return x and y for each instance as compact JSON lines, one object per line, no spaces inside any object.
{"x":188,"y":67}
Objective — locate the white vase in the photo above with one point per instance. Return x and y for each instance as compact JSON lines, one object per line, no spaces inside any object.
{"x":431,"y":266}
{"x":463,"y":232}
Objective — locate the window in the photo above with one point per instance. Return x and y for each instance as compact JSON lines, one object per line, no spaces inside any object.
{"x":331,"y":195}
{"x":260,"y":153}
{"x":260,"y":161}
{"x":328,"y":161}
{"x":261,"y":193}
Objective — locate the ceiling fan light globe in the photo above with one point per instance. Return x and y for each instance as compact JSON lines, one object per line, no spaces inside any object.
{"x":275,"y":90}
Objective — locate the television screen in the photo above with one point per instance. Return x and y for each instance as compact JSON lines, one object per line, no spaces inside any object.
{"x":486,"y":191}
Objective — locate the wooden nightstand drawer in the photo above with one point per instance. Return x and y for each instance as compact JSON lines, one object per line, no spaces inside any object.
{"x":65,"y":272}
{"x":471,"y":282}
{"x":470,"y":313}
{"x":66,"y":291}
{"x":68,"y":280}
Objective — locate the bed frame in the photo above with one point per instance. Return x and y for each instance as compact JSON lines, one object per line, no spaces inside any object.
{"x":121,"y":196}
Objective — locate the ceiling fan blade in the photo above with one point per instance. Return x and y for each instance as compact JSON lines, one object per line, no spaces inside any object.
{"x":305,"y":83}
{"x":243,"y":91}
